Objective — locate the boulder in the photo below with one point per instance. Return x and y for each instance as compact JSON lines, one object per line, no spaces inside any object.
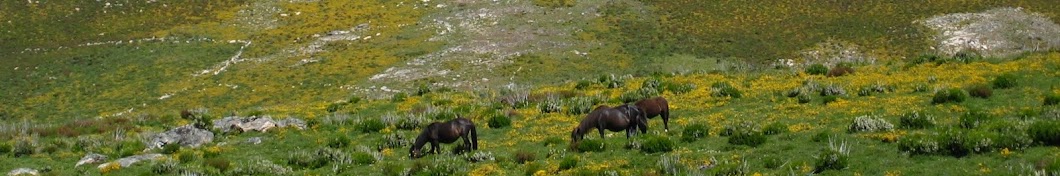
{"x":91,"y":158}
{"x":130,"y":160}
{"x":187,"y":136}
{"x":23,"y":171}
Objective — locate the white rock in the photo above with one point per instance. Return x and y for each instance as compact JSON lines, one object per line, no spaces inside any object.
{"x":23,"y":171}
{"x":91,"y":158}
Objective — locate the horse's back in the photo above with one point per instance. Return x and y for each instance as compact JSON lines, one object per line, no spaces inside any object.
{"x":654,"y":106}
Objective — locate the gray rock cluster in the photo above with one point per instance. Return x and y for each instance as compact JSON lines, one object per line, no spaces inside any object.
{"x":91,"y":158}
{"x":255,"y":123}
{"x":130,"y":160}
{"x":187,"y":136}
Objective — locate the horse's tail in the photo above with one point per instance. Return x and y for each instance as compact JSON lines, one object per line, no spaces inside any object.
{"x":474,"y":138}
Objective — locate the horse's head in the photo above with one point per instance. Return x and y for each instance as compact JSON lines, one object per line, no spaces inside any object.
{"x":414,"y":153}
{"x":576,"y":135}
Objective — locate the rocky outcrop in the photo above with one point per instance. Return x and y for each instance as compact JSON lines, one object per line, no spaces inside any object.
{"x":998,"y":32}
{"x":187,"y":136}
{"x":255,"y":123}
{"x":91,"y":158}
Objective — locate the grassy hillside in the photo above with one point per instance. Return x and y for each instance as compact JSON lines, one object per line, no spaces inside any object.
{"x":103,"y":76}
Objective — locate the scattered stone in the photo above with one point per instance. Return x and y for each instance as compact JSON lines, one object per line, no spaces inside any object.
{"x":291,"y":122}
{"x":187,"y":136}
{"x":91,"y":158}
{"x":254,"y":140}
{"x":23,"y":171}
{"x":129,"y":161}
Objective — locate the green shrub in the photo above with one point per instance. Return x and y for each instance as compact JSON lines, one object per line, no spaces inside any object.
{"x":522,"y":157}
{"x":1014,"y":139}
{"x":916,"y":120}
{"x":670,"y":165}
{"x":950,"y":95}
{"x":580,"y":105}
{"x":398,"y":97}
{"x":187,"y":156}
{"x":974,"y":118}
{"x":775,"y":128}
{"x":582,"y":84}
{"x":24,"y":146}
{"x":953,"y":142}
{"x":305,"y":160}
{"x":611,"y":81}
{"x":499,"y":121}
{"x":657,"y":144}
{"x":393,"y":169}
{"x":129,"y":148}
{"x":1004,"y":81}
{"x":568,"y":162}
{"x":362,"y":158}
{"x":591,"y":145}
{"x":723,"y":89}
{"x":868,"y":123}
{"x":678,"y":88}
{"x":772,"y":162}
{"x":164,"y":167}
{"x":694,"y":131}
{"x":980,"y":91}
{"x":1051,"y":99}
{"x":220,"y":164}
{"x":371,"y":125}
{"x":637,"y":95}
{"x":822,"y":136}
{"x":532,"y":168}
{"x":978,"y":141}
{"x":841,"y":69}
{"x":1046,"y":132}
{"x":919,"y":144}
{"x":339,"y":140}
{"x":835,"y":157}
{"x":550,"y":105}
{"x":5,"y":148}
{"x":335,"y":106}
{"x":967,"y":57}
{"x":817,"y":69}
{"x":923,"y":58}
{"x":804,"y":98}
{"x":748,"y":138}
{"x":170,"y":148}
{"x":652,"y":83}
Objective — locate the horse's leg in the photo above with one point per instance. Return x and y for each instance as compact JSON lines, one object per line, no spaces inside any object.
{"x":474,"y":138}
{"x":434,"y":146}
{"x":666,"y":119}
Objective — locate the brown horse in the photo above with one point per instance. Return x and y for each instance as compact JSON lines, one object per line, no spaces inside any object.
{"x":446,"y":132}
{"x":603,"y":117}
{"x":655,"y":107}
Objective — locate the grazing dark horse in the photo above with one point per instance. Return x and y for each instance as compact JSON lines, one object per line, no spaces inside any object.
{"x":603,"y":117}
{"x":655,"y":107}
{"x":445,"y":132}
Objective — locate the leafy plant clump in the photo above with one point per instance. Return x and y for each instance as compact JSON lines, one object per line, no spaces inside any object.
{"x":980,"y":91}
{"x":817,"y":69}
{"x":371,"y":125}
{"x":774,"y":129}
{"x":1051,"y":99}
{"x":568,"y":162}
{"x":974,"y":119}
{"x":723,"y":89}
{"x":362,"y":158}
{"x":590,"y":145}
{"x":919,"y":144}
{"x":841,"y":69}
{"x":694,"y":132}
{"x":522,"y":157}
{"x":499,"y":121}
{"x":916,"y":120}
{"x":748,"y":137}
{"x":1004,"y":81}
{"x":868,"y":123}
{"x":657,"y":144}
{"x":1045,"y":132}
{"x":954,"y":95}
{"x":835,"y":157}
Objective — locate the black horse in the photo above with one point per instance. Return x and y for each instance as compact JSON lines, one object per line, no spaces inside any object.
{"x":656,"y":106}
{"x":446,"y":132}
{"x":616,"y":119}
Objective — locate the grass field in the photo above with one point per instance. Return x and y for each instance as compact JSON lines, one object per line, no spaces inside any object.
{"x":102,"y":77}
